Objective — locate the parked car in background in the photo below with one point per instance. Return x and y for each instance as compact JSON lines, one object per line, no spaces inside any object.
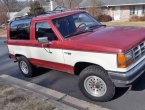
{"x":102,"y":57}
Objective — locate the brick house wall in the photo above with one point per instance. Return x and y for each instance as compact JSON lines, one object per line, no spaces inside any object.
{"x":110,"y":12}
{"x":125,"y":12}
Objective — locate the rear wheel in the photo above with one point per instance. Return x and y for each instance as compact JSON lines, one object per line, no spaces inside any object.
{"x":27,"y":69}
{"x":96,"y":84}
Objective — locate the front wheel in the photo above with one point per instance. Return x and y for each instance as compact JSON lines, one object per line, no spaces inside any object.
{"x":95,"y":84}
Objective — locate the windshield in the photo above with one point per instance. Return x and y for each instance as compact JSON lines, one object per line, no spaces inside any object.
{"x":75,"y":24}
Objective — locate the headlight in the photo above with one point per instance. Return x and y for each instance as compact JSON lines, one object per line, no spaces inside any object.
{"x":124,"y":60}
{"x":129,"y":56}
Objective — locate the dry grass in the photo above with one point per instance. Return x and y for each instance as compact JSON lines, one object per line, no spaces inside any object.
{"x":2,"y":32}
{"x":10,"y":99}
{"x":127,"y":23}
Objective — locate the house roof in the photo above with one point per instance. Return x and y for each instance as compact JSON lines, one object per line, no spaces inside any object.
{"x":23,"y":12}
{"x":46,"y":7}
{"x":90,"y":3}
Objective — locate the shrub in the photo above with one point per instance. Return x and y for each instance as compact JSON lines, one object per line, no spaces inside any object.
{"x":104,"y":18}
{"x":142,"y":18}
{"x":134,"y":18}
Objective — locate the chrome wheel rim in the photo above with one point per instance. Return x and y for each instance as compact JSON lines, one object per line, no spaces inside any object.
{"x":95,"y":86}
{"x":24,"y":67}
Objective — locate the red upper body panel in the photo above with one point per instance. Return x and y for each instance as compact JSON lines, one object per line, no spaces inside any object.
{"x":109,"y":39}
{"x":104,"y":39}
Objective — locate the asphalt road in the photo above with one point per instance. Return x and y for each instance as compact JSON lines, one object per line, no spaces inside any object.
{"x":125,"y":99}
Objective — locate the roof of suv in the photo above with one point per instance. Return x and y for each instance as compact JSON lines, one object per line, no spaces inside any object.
{"x":57,"y":15}
{"x":51,"y":15}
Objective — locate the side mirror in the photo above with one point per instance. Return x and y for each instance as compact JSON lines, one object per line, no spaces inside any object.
{"x":43,"y":40}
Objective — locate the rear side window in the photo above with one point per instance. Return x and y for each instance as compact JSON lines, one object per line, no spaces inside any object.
{"x":20,"y":29}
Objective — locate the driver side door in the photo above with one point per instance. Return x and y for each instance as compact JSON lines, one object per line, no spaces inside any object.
{"x":49,"y":54}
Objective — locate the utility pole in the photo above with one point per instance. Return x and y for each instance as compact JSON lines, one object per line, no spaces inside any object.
{"x":70,"y":4}
{"x":51,"y":5}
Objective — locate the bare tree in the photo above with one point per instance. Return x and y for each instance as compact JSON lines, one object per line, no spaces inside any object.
{"x":95,"y":8}
{"x":42,"y":2}
{"x":9,"y":4}
{"x":71,"y":4}
{"x":74,"y":3}
{"x":3,"y":14}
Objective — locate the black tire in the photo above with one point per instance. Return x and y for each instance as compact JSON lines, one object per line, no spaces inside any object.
{"x":92,"y":71}
{"x":30,"y":67}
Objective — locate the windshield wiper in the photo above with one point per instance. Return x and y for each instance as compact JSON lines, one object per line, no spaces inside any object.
{"x":81,"y":32}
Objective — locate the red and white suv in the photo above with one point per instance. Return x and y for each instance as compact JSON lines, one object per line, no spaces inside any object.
{"x":74,"y":42}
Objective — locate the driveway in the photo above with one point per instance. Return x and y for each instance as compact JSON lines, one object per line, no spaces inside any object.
{"x":125,"y":99}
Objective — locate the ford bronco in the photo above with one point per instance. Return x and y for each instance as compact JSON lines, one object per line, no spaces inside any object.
{"x":104,"y":57}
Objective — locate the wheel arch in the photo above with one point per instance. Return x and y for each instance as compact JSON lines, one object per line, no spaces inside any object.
{"x":17,"y":56}
{"x":21,"y":53}
{"x":79,"y":66}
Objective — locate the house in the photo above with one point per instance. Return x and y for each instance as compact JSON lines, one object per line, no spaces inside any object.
{"x":21,"y":13}
{"x":24,"y":12}
{"x":11,"y":15}
{"x":119,"y":9}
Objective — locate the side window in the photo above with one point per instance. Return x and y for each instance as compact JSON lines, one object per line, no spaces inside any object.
{"x":43,"y":29}
{"x":20,"y":30}
{"x":65,"y":25}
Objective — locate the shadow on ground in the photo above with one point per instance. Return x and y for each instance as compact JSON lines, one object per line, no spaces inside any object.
{"x":139,"y":84}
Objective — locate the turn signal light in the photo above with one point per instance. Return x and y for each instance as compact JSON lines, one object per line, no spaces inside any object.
{"x":122,"y":61}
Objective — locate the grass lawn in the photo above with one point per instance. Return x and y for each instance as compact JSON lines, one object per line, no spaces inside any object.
{"x":126,"y":23}
{"x":12,"y":99}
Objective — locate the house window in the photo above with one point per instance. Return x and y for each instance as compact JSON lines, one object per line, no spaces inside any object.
{"x":132,"y":10}
{"x":143,"y":10}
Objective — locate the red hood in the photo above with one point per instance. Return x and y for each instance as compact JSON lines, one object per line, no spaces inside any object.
{"x":110,"y":39}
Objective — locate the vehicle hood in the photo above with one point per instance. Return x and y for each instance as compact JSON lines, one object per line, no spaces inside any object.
{"x":110,"y":39}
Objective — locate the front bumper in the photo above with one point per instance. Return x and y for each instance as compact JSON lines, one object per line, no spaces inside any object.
{"x":121,"y":79}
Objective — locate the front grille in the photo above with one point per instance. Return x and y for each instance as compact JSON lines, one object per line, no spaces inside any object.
{"x":139,"y":50}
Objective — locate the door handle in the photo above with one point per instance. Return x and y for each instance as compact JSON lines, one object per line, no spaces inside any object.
{"x":68,"y":53}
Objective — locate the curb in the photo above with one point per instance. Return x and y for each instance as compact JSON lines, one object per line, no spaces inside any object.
{"x":57,"y":96}
{"x":2,"y":42}
{"x":52,"y":102}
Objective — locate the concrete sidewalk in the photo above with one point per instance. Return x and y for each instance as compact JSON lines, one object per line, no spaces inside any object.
{"x":61,"y":98}
{"x":14,"y":97}
{"x":3,"y":36}
{"x":2,"y":40}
